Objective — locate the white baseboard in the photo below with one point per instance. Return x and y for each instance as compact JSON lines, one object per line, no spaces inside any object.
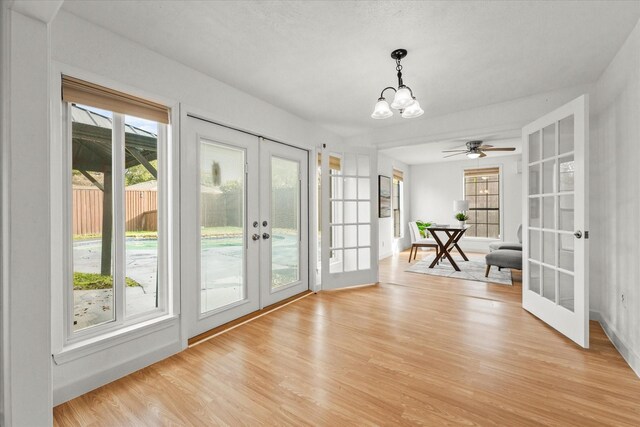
{"x":625,"y":351}
{"x":78,"y":388}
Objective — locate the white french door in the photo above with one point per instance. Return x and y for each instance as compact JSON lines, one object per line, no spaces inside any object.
{"x":349,"y":238}
{"x":555,"y":220}
{"x":284,"y":221}
{"x":244,"y":240}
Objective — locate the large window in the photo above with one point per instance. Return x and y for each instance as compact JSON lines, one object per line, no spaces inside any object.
{"x":398,"y":196}
{"x":482,"y":190}
{"x":117,"y":221}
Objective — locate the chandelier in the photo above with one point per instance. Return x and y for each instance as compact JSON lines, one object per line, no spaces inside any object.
{"x":403,"y":99}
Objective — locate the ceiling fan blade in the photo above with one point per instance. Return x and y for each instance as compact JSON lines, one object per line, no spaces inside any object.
{"x":454,"y":151}
{"x":500,"y":149}
{"x":455,"y":154}
{"x":482,"y":154}
{"x":483,"y":146}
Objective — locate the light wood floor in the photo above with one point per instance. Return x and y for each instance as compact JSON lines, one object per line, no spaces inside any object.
{"x":415,"y":349}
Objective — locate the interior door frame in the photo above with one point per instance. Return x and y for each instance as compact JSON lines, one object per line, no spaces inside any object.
{"x":541,"y":307}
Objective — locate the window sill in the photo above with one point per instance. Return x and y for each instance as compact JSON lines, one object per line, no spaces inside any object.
{"x":482,"y":239}
{"x":102,"y":342}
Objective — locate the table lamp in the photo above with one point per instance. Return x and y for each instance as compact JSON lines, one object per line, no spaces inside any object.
{"x":460,"y":206}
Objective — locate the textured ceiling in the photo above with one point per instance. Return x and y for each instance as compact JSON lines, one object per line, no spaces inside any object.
{"x":328,"y":61}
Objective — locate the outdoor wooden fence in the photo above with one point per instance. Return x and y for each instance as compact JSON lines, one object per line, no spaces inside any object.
{"x":141,"y":210}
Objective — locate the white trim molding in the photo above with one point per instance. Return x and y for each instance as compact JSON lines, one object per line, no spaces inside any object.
{"x":625,"y":350}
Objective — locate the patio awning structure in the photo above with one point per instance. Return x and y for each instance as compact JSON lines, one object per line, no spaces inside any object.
{"x":92,"y":152}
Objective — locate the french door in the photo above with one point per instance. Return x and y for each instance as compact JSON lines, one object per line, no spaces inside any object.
{"x":349,"y":242}
{"x":244,"y":224}
{"x":555,"y":245}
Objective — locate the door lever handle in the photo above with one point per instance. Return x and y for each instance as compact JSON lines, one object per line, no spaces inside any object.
{"x":265,"y":236}
{"x":256,"y":236}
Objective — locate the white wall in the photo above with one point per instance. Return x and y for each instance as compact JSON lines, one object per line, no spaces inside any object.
{"x":615,"y":200}
{"x":387,"y":243}
{"x":435,"y":186}
{"x":79,"y":44}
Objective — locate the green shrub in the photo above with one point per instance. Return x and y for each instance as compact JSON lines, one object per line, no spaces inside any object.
{"x":91,"y":281}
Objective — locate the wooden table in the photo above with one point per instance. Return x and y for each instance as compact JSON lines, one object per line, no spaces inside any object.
{"x":454,"y":234}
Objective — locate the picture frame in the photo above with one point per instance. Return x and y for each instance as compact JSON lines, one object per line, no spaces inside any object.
{"x":384,"y":196}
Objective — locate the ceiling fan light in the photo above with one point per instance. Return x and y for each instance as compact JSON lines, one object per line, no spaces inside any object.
{"x":473,"y":154}
{"x":413,"y":110}
{"x":403,"y":99}
{"x":381,"y":110}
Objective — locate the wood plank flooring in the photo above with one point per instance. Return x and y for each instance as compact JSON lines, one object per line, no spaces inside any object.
{"x":414,"y":350}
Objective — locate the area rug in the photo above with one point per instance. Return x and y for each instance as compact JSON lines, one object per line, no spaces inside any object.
{"x":469,"y":270}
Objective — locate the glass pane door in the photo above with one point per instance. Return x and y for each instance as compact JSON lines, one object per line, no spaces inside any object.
{"x":284,"y":221}
{"x":555,"y":285}
{"x":222,"y":225}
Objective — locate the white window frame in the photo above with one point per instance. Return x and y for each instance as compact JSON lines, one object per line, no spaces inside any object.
{"x":400,"y":205}
{"x":67,"y":344}
{"x":500,"y":201}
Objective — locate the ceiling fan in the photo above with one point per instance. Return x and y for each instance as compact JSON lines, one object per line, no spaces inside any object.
{"x":476,"y":149}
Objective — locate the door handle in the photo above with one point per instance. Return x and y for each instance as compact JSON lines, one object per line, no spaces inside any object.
{"x":256,"y":236}
{"x":265,"y":236}
{"x":578,"y":234}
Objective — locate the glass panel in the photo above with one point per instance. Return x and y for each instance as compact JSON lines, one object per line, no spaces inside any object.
{"x":549,"y":284}
{"x":481,"y":230}
{"x":285,"y":219}
{"x":336,"y":236}
{"x":364,"y":235}
{"x":549,"y":248}
{"x":565,"y":135}
{"x":493,"y":202}
{"x":534,"y":147}
{"x":222,"y":226}
{"x":534,"y":179}
{"x":493,"y":187}
{"x":565,"y":214}
{"x":364,"y":212}
{"x":337,"y":209}
{"x":534,"y":212}
{"x":364,"y":258}
{"x":350,"y":260}
{"x":349,"y":167}
{"x":364,"y":188}
{"x":549,"y":141}
{"x":534,"y":277}
{"x":565,"y":251}
{"x":565,"y":288}
{"x":141,"y":216}
{"x":350,"y":236}
{"x":534,"y":245}
{"x":336,"y":187}
{"x":335,"y":265}
{"x":493,"y":231}
{"x":469,"y":189}
{"x":363,"y":165}
{"x":548,"y":172}
{"x":481,"y":217}
{"x":350,"y":212}
{"x":493,"y":217}
{"x":350,"y":188}
{"x":566,"y":169}
{"x":92,"y":233}
{"x":548,"y":212}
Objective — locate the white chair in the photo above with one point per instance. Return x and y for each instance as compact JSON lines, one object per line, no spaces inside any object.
{"x":417,"y":241}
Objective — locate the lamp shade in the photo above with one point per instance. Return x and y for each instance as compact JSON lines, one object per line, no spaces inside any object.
{"x":473,"y":154}
{"x":381,"y":110}
{"x":460,"y":205}
{"x":413,"y":110}
{"x":402,"y":99}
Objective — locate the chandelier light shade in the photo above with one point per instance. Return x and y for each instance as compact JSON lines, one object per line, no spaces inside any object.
{"x":382,"y":110}
{"x":403,"y":99}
